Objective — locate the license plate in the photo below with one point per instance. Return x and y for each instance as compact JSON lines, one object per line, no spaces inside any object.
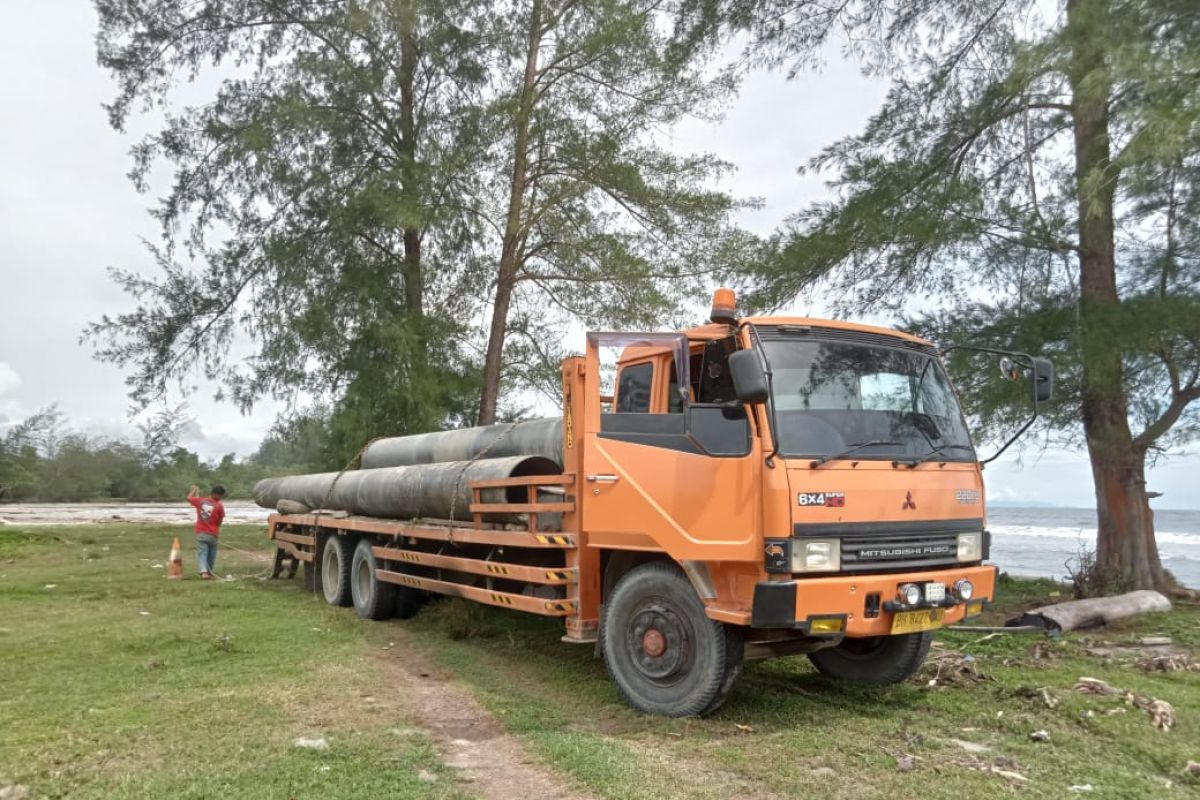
{"x":935,"y":592}
{"x":926,"y":619}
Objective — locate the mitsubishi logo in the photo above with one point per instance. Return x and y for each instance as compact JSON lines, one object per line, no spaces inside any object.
{"x":909,"y":505}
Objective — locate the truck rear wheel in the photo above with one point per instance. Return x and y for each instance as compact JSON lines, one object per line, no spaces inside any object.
{"x":335,"y":570}
{"x":875,"y":660}
{"x":661,"y":650}
{"x":373,"y":599}
{"x":408,"y":601}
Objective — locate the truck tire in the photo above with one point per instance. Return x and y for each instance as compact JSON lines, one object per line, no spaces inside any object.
{"x":874,"y":660}
{"x":408,"y":601}
{"x":335,"y":570}
{"x":661,"y":650}
{"x":373,"y":598}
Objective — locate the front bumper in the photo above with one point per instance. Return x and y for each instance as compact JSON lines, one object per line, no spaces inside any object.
{"x":858,"y":599}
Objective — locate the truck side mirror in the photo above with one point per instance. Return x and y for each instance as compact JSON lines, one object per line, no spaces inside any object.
{"x":1043,"y":380}
{"x":749,"y":379}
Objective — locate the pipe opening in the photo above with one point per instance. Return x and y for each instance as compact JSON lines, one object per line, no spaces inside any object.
{"x":528,"y":467}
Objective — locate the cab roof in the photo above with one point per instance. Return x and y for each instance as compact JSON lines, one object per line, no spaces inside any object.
{"x":717,"y":331}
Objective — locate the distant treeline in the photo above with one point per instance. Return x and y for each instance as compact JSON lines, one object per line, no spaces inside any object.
{"x":42,"y":460}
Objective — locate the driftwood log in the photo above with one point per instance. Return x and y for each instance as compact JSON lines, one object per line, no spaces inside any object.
{"x":1093,"y":612}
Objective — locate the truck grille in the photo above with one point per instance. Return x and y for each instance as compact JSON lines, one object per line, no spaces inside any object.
{"x":886,"y":546}
{"x":898,"y":551}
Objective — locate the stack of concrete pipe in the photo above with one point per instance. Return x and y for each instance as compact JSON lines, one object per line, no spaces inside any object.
{"x":427,"y":475}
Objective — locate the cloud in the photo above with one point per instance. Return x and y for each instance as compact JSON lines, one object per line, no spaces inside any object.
{"x":11,"y":410}
{"x":9,"y":379}
{"x":1007,"y":493}
{"x":232,"y":434}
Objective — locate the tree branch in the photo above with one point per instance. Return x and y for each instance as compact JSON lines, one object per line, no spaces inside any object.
{"x":1179,"y":403}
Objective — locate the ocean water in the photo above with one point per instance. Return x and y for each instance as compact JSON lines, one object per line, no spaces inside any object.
{"x":171,"y":513}
{"x":1039,"y":542}
{"x":1034,"y":542}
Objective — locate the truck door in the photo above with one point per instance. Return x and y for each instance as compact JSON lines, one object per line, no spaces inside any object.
{"x":673,"y":475}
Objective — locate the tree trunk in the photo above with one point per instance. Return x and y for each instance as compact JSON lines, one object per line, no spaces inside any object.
{"x":1125,"y":548}
{"x":424,"y":413}
{"x":510,"y":261}
{"x":414,"y":288}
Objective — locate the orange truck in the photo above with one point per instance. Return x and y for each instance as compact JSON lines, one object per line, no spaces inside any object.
{"x":749,"y":488}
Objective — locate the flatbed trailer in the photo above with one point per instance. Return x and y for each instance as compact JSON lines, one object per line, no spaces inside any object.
{"x":691,"y":529}
{"x":529,"y":569}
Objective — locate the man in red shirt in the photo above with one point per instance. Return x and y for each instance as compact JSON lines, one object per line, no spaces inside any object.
{"x":210,"y":512}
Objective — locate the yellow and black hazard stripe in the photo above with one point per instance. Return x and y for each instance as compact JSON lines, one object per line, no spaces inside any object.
{"x":502,"y":599}
{"x":551,"y":539}
{"x":557,"y":575}
{"x":497,"y":569}
{"x":560,"y":605}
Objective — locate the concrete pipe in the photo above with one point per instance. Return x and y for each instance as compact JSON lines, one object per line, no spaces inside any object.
{"x":433,"y":491}
{"x":536,"y":437}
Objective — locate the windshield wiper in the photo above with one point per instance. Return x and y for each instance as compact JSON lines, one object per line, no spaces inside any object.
{"x":922,"y":459}
{"x":816,"y":462}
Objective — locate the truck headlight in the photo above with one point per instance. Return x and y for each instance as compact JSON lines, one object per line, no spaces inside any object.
{"x":970,"y":546}
{"x":817,"y":555}
{"x":909,"y":594}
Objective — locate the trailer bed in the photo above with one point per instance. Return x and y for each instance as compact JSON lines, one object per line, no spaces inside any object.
{"x":527,"y":568}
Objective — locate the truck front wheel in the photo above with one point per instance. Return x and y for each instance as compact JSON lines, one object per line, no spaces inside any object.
{"x":661,"y":650}
{"x":875,"y":660}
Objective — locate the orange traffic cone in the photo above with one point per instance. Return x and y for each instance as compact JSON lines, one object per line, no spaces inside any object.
{"x":175,"y":565}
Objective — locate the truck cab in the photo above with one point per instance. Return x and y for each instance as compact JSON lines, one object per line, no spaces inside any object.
{"x":832,"y":504}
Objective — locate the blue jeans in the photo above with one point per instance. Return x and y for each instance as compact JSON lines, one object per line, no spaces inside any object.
{"x":206,"y":551}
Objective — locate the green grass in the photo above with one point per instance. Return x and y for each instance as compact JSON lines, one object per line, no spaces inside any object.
{"x":119,"y":683}
{"x":204,"y":695}
{"x":807,"y":734}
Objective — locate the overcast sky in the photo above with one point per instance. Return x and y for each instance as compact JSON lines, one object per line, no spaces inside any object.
{"x":68,"y":211}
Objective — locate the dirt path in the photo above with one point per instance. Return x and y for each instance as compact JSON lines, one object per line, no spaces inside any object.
{"x":468,"y":737}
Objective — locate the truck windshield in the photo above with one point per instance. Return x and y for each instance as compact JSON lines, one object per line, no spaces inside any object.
{"x":833,"y":396}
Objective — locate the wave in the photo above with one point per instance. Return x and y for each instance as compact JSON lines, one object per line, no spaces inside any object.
{"x":1086,"y":534}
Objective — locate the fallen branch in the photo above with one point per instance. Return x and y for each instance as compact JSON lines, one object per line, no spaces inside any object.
{"x":1162,"y":713}
{"x":1174,"y":662}
{"x":950,"y":668}
{"x":1001,"y":767}
{"x":997,"y":628}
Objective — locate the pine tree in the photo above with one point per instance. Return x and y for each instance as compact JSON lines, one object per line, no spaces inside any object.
{"x":368,"y":170}
{"x":597,"y":221}
{"x":1031,"y":181}
{"x":319,"y":206}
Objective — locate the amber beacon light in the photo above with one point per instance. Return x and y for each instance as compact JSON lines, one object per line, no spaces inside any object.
{"x":724,"y":307}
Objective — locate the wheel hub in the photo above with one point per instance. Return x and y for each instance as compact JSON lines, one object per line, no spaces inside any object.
{"x":654,"y":644}
{"x":660,"y":640}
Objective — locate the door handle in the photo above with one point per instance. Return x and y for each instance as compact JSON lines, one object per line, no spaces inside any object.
{"x":603,"y":478}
